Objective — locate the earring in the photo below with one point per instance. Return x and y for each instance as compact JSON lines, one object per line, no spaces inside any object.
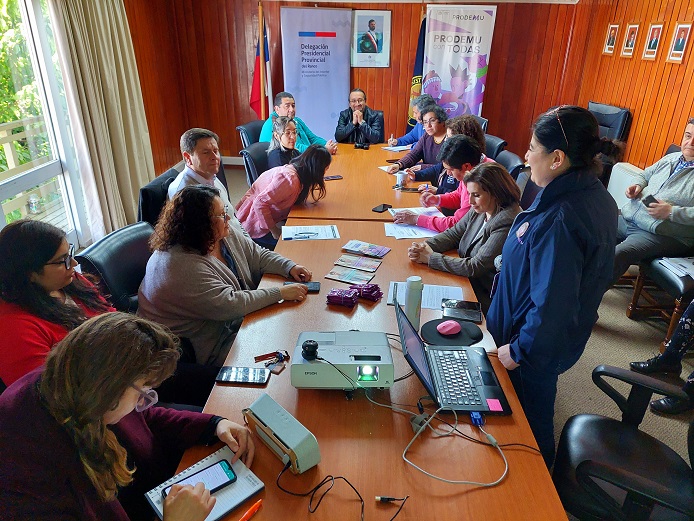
{"x":553,"y":167}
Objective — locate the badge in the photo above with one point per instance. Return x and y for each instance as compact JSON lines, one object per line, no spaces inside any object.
{"x":521,"y":230}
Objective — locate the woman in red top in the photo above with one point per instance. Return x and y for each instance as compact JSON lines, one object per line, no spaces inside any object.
{"x":41,"y":295}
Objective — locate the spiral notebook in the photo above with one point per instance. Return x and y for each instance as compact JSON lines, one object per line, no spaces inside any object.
{"x":228,"y":498}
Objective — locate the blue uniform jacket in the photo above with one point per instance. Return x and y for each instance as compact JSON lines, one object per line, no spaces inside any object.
{"x":556,"y":265}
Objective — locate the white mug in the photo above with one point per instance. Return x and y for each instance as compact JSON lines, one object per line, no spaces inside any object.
{"x":401,"y":178}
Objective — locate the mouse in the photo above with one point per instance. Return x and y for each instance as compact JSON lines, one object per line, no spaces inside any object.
{"x":448,"y":327}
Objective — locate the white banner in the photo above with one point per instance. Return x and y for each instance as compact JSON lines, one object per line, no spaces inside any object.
{"x":456,"y":54}
{"x":315,"y":59}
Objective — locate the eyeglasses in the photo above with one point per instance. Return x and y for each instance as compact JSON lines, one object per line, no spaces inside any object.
{"x":290,"y":133}
{"x":225,"y":216}
{"x":360,"y":100}
{"x":429,"y":122}
{"x":556,"y":113}
{"x":67,"y":261}
{"x":146,"y":400}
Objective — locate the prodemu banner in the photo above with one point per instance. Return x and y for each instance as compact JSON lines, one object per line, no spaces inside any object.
{"x":315,"y":58}
{"x":456,"y":54}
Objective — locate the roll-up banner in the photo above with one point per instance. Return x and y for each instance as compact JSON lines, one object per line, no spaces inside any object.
{"x":456,"y":54}
{"x":316,"y":61}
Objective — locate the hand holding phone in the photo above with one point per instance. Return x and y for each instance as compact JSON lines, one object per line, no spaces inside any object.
{"x":215,"y":477}
{"x":648,"y":200}
{"x":313,"y":286}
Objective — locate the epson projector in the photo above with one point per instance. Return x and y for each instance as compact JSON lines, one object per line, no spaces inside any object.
{"x":344,"y":360}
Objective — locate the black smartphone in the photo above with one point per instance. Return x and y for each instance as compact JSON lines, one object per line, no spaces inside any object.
{"x":408,"y":189}
{"x":331,"y":177}
{"x":648,"y":200}
{"x":381,"y":208}
{"x":215,"y":477}
{"x":243,"y":375}
{"x":313,"y":286}
{"x":391,"y":160}
{"x":462,"y":309}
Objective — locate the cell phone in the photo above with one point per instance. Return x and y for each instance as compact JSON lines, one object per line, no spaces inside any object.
{"x":408,"y":189}
{"x":313,"y":287}
{"x":462,"y":309}
{"x":381,"y":208}
{"x":243,"y":375}
{"x":331,"y":177}
{"x":648,"y":200}
{"x":391,"y":160}
{"x":215,"y":477}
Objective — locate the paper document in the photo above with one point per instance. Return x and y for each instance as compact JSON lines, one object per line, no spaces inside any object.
{"x":385,"y":168}
{"x":360,"y":263}
{"x":365,"y":248}
{"x":349,"y":275}
{"x":419,"y":210}
{"x":309,"y":233}
{"x":680,"y":266}
{"x":431,"y":294}
{"x":408,"y":231}
{"x":400,"y":148}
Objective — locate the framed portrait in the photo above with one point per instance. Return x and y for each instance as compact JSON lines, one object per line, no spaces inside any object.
{"x":610,"y":39}
{"x":653,"y":39}
{"x":630,"y":40}
{"x":370,"y":38}
{"x":680,"y":39}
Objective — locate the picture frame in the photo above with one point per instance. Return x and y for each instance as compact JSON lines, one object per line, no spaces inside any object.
{"x":630,"y":35}
{"x":680,"y":39}
{"x":610,"y":39}
{"x":654,"y":36}
{"x":371,"y":38}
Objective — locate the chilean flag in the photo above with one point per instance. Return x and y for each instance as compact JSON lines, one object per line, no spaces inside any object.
{"x":255,"y":100}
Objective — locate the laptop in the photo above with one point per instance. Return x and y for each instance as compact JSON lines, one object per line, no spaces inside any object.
{"x":460,"y":378}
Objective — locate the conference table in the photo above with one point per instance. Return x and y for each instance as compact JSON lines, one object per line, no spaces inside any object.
{"x":359,"y":440}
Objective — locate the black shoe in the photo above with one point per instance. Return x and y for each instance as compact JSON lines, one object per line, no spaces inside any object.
{"x":656,"y":365}
{"x":669,"y":405}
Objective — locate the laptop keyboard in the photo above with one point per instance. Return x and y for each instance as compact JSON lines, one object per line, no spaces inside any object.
{"x":457,"y":387}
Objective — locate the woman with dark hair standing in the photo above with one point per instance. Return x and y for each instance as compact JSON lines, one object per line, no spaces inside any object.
{"x":42,"y":297}
{"x":556,"y":264}
{"x":282,"y":147}
{"x":80,"y":439}
{"x":203,"y":275}
{"x":266,"y":205}
{"x":479,"y":236}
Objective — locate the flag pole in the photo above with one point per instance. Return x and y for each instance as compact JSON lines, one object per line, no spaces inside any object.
{"x":261,"y":44}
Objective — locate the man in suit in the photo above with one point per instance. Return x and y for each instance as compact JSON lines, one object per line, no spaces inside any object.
{"x":359,"y":123}
{"x":681,"y":39}
{"x":631,"y":41}
{"x":611,"y":39}
{"x":655,"y":38}
{"x":369,"y":40}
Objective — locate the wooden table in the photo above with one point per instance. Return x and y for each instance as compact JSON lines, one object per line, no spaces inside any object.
{"x":364,"y":442}
{"x":363,"y":187}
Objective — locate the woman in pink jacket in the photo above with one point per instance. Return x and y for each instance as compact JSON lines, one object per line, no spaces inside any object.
{"x":266,"y":205}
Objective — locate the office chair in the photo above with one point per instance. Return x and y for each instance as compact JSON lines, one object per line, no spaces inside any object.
{"x":153,"y":197}
{"x":382,"y":136}
{"x":493,"y":145}
{"x":609,"y":469}
{"x":119,"y":261}
{"x":528,"y":188}
{"x":510,"y":162}
{"x":255,"y":160}
{"x":482,"y":121}
{"x":250,"y":132}
{"x":614,"y":123}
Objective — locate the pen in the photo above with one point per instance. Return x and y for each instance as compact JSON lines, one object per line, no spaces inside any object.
{"x":426,"y":187}
{"x":251,"y":511}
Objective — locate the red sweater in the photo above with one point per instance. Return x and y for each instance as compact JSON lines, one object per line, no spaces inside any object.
{"x":26,"y":339}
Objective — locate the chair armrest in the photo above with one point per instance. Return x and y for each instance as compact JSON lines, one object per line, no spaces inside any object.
{"x":634,"y":406}
{"x":639,"y":485}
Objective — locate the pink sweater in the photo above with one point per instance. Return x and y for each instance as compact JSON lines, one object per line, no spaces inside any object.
{"x":269,"y":200}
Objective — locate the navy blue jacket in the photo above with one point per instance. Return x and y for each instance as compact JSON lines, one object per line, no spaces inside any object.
{"x":556,"y":266}
{"x":436,"y":177}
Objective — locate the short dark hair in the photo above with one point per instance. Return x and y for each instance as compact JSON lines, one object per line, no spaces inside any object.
{"x":310,"y":167}
{"x":422,"y":101}
{"x":372,"y":20}
{"x":280,"y":96}
{"x":357,"y":90}
{"x":690,"y":121}
{"x":460,"y":149}
{"x":497,"y":182}
{"x":438,"y":112}
{"x":186,"y":220}
{"x":190,"y":138}
{"x":469,"y":126}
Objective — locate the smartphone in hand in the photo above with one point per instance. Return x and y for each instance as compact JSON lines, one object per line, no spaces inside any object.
{"x":648,"y":200}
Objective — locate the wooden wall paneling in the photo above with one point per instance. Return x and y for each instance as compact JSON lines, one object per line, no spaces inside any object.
{"x":502,"y":82}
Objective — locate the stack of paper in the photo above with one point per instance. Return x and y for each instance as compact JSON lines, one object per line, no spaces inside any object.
{"x":349,"y":275}
{"x":431,"y":294}
{"x":366,"y":248}
{"x":407,"y":231}
{"x":680,"y":266}
{"x":360,"y":263}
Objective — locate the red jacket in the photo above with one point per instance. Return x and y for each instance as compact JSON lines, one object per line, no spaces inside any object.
{"x":26,"y":339}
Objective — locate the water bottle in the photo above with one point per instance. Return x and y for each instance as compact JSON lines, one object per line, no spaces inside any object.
{"x":413,"y":300}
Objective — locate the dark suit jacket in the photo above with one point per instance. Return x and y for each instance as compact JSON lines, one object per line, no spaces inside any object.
{"x":679,"y":45}
{"x":369,"y":131}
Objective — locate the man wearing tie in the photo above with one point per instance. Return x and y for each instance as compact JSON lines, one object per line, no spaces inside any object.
{"x":653,"y":42}
{"x":679,"y":43}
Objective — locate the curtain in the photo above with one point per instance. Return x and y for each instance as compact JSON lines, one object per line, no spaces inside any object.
{"x":106,"y":108}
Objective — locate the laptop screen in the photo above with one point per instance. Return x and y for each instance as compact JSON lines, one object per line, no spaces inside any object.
{"x":413,"y":349}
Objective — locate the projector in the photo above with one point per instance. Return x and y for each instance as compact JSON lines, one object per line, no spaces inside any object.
{"x":344,"y":360}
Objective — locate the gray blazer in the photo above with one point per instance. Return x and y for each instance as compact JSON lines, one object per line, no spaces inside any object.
{"x":476,"y":250}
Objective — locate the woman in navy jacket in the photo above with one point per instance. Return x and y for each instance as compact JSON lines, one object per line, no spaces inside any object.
{"x":556,"y":264}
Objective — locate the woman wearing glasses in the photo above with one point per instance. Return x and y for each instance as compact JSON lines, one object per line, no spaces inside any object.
{"x":42,"y":297}
{"x":556,"y":264}
{"x":281,"y":150}
{"x":204,"y":271}
{"x":427,"y":148}
{"x":266,"y":205}
{"x":68,"y":452}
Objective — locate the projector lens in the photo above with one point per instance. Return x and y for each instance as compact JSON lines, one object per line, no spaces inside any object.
{"x":367,"y":373}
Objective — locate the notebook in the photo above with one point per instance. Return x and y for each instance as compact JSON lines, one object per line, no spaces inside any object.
{"x":456,"y":377}
{"x":228,"y":498}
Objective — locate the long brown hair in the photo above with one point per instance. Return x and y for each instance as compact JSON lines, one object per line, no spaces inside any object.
{"x":87,"y":373}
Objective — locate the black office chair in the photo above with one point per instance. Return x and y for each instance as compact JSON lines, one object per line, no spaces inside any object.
{"x":382,"y":136}
{"x":250,"y":132}
{"x":255,"y":160}
{"x":153,"y":197}
{"x":609,"y":469}
{"x":614,"y":123}
{"x":493,"y":145}
{"x":510,"y":162}
{"x":482,"y":121}
{"x":528,"y":188}
{"x":119,"y":260}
